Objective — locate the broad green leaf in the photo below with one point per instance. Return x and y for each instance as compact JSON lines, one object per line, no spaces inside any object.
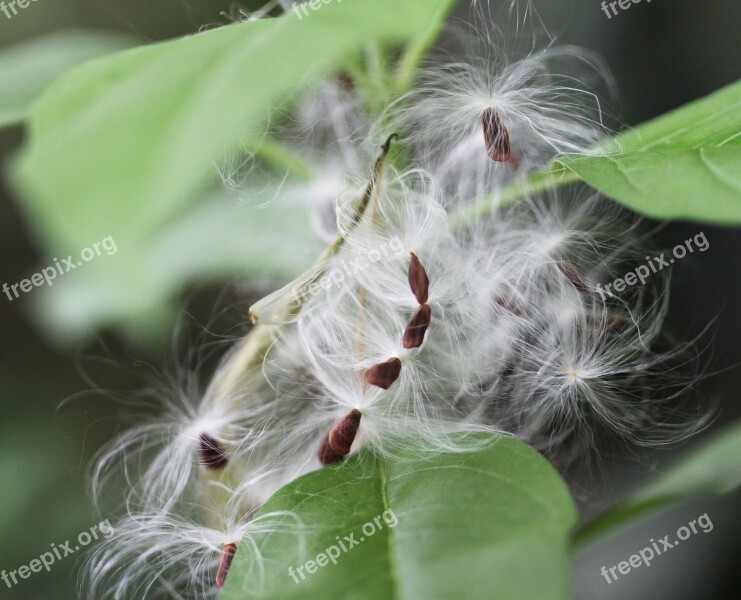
{"x":486,"y":524}
{"x":713,"y":469}
{"x":221,"y":240}
{"x":126,"y":141}
{"x":683,"y":165}
{"x":27,"y":69}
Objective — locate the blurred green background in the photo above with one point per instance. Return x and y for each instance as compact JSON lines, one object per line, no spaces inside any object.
{"x":663,"y":55}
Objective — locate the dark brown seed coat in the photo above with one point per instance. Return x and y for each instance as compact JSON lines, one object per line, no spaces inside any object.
{"x":384,"y":374}
{"x":496,"y":136}
{"x":419,"y":282}
{"x":210,"y":453}
{"x":327,"y":456}
{"x":415,"y":331}
{"x":343,"y":433}
{"x":574,"y":277}
{"x":227,"y":556}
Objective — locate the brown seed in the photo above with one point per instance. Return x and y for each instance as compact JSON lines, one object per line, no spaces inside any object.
{"x":509,"y":305}
{"x":415,"y":331}
{"x":496,"y":136}
{"x":384,"y":374}
{"x":346,"y":82}
{"x":227,"y":556}
{"x":418,"y":280}
{"x":327,"y":456}
{"x":343,"y":433}
{"x":210,"y":454}
{"x":574,"y":278}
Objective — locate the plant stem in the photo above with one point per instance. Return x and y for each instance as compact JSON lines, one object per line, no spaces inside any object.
{"x":554,"y":177}
{"x":276,"y":154}
{"x":406,"y":71}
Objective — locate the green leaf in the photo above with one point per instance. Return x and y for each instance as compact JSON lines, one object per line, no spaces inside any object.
{"x":120,"y":146}
{"x":28,"y":68}
{"x":683,"y":165}
{"x":125,"y":141}
{"x":713,"y":469}
{"x":221,"y":240}
{"x":477,"y":525}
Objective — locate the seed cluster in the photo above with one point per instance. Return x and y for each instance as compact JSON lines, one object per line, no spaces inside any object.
{"x":383,"y":375}
{"x":520,"y":343}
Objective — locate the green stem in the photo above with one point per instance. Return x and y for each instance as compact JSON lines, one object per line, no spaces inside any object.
{"x":375,"y":60}
{"x":276,"y":154}
{"x":517,"y":190}
{"x":406,"y":70}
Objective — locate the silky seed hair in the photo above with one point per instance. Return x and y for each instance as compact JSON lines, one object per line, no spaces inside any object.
{"x":185,"y":554}
{"x":503,"y":112}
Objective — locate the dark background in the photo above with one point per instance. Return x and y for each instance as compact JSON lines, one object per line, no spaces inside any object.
{"x":662,"y":54}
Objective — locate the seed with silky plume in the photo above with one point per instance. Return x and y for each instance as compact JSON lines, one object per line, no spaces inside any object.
{"x":574,"y":278}
{"x":496,"y":136}
{"x":415,"y":332}
{"x":343,"y":433}
{"x":384,"y":374}
{"x":327,"y":456}
{"x":419,"y":282}
{"x":227,"y":556}
{"x":210,"y":454}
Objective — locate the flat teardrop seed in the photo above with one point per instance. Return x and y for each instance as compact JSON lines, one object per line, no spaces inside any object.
{"x":210,"y":454}
{"x":384,"y":374}
{"x":343,"y":433}
{"x":496,"y":136}
{"x":419,"y":282}
{"x":574,"y":277}
{"x":225,"y":564}
{"x":415,"y":332}
{"x":327,"y":456}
